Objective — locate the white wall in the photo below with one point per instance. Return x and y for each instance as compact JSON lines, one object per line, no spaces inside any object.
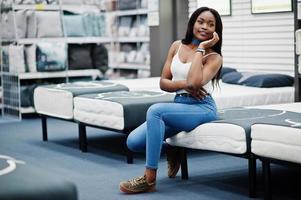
{"x":256,"y":41}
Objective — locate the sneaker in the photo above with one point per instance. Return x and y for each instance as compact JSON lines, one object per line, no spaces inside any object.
{"x":173,"y":162}
{"x":137,"y":185}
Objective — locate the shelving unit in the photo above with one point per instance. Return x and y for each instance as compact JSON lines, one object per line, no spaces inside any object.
{"x":134,"y":63}
{"x":297,"y":16}
{"x":131,"y":55}
{"x":11,"y":82}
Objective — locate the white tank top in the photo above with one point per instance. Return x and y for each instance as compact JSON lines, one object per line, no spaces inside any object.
{"x":179,"y":71}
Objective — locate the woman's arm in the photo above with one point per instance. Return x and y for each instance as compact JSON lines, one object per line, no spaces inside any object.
{"x":166,"y":82}
{"x":200,"y":74}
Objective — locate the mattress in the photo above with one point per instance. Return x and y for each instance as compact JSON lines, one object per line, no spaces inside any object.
{"x":278,"y":142}
{"x":117,"y":110}
{"x":57,"y":100}
{"x":226,"y":137}
{"x":149,"y":84}
{"x":231,"y":95}
{"x":225,"y":95}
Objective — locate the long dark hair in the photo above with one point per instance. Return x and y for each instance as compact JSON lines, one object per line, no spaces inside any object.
{"x":218,"y":29}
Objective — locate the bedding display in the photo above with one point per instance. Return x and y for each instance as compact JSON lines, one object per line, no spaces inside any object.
{"x":63,"y":94}
{"x":123,"y":110}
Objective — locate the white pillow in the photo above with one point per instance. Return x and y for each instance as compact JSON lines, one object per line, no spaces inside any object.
{"x":49,"y":24}
{"x":16,"y":58}
{"x":30,"y":58}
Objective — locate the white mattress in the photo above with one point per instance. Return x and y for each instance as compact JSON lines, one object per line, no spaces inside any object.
{"x":222,"y":137}
{"x":150,"y":84}
{"x":57,"y":100}
{"x":230,"y":95}
{"x":278,"y":142}
{"x":226,"y":95}
{"x":118,"y":111}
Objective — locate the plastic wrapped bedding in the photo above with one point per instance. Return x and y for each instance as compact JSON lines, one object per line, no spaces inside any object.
{"x":57,"y":100}
{"x":278,"y":142}
{"x":117,"y":110}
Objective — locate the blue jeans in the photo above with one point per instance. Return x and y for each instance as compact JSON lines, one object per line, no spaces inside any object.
{"x":164,"y":120}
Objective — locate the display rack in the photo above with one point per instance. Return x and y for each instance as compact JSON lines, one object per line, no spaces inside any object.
{"x":297,"y":16}
{"x":131,"y":56}
{"x":11,"y":82}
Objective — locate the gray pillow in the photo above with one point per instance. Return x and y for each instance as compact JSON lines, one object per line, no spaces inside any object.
{"x":31,"y":24}
{"x":21,"y":23}
{"x":7,"y":25}
{"x":71,"y":1}
{"x":48,"y":24}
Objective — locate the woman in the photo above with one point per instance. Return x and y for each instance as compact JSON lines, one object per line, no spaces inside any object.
{"x":192,"y":67}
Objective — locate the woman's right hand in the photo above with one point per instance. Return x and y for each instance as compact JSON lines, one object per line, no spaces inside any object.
{"x":196,"y":93}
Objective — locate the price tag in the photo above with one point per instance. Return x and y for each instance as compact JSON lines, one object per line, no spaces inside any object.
{"x":40,"y":6}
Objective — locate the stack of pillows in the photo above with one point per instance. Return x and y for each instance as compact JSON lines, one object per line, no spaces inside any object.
{"x":255,"y":79}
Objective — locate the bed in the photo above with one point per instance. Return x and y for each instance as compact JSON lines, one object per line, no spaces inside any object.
{"x":278,"y":143}
{"x":237,"y":127}
{"x":121,"y":111}
{"x":64,"y":94}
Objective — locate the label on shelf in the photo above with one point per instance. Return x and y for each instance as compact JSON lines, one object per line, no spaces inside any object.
{"x":40,"y":6}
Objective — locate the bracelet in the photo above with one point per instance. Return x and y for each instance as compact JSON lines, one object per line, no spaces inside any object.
{"x":200,"y":50}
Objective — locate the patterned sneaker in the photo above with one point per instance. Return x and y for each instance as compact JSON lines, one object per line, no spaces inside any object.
{"x":137,"y":185}
{"x":173,"y":161}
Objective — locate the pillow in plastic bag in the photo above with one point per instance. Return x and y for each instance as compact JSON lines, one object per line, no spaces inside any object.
{"x":48,"y":24}
{"x":51,"y":56}
{"x":74,"y":25}
{"x":16,"y":59}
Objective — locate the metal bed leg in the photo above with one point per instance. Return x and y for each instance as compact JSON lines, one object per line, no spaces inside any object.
{"x":184,"y":168}
{"x":252,"y":176}
{"x":129,"y":153}
{"x":266,"y":170}
{"x":82,"y":137}
{"x":129,"y":156}
{"x":44,"y":127}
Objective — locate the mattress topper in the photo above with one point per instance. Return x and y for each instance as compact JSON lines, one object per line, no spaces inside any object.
{"x":81,"y":87}
{"x":132,"y":97}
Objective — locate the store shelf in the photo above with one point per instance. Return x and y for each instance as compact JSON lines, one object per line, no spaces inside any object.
{"x":129,"y":66}
{"x":42,"y":7}
{"x":132,"y":39}
{"x":75,"y":40}
{"x":62,"y":74}
{"x":131,"y":12}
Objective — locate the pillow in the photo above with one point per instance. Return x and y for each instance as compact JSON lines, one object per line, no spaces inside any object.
{"x":49,"y":24}
{"x":74,"y":25}
{"x":226,"y":70}
{"x":30,"y":58}
{"x":258,"y":80}
{"x":51,"y":56}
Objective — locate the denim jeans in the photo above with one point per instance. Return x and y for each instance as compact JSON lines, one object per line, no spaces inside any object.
{"x":164,"y":120}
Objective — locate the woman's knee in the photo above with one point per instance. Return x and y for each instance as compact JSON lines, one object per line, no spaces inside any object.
{"x":136,"y":140}
{"x":154,"y":110}
{"x":135,"y":145}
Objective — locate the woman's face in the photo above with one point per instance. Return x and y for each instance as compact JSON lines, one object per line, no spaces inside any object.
{"x":204,"y":26}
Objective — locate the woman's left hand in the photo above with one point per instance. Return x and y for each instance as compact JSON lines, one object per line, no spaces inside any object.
{"x":209,"y":43}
